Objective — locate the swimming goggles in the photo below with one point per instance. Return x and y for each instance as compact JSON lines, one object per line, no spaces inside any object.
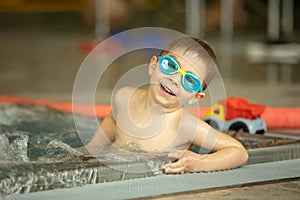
{"x":190,"y":81}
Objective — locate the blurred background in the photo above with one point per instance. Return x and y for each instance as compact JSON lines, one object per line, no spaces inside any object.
{"x":43,"y":43}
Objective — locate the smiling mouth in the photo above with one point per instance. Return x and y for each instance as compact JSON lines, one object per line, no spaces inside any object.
{"x":167,"y":90}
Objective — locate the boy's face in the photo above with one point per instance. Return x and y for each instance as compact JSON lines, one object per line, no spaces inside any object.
{"x":168,"y":89}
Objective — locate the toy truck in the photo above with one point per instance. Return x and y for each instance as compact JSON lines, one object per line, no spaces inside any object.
{"x":236,"y":114}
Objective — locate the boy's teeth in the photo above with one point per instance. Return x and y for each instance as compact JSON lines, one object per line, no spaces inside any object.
{"x":167,"y":90}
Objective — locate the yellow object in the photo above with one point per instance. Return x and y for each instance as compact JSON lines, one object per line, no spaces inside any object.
{"x":217,"y":110}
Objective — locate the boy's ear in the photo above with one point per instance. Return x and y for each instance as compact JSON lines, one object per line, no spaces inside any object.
{"x":197,"y":97}
{"x":152,"y":65}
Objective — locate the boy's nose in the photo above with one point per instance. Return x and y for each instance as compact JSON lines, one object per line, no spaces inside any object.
{"x":175,"y":79}
{"x":173,"y":82}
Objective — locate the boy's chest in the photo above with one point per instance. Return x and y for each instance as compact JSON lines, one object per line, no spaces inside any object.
{"x":164,"y":140}
{"x":157,"y":134}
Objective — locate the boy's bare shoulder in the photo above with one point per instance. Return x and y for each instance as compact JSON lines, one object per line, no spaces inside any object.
{"x":187,"y":113}
{"x":189,"y":118}
{"x":123,"y":93}
{"x":124,"y":90}
{"x":127,"y":92}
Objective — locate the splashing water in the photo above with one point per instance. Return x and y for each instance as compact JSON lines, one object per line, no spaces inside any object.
{"x":15,"y":151}
{"x":40,"y":150}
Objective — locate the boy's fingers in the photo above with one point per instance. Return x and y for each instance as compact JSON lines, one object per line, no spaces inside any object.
{"x":174,"y":165}
{"x":177,"y":164}
{"x":174,"y":169}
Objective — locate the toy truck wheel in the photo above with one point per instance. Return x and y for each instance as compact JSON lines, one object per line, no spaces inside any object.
{"x":260,"y":132}
{"x":213,"y":124}
{"x":239,"y":127}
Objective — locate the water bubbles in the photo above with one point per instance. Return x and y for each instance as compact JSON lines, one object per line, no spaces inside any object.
{"x":62,"y":147}
{"x":4,"y":144}
{"x":15,"y":151}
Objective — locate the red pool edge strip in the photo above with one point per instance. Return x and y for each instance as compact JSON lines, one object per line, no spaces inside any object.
{"x":282,"y":117}
{"x":275,"y":117}
{"x":81,"y":109}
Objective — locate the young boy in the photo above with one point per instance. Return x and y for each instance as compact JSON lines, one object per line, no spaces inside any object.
{"x":155,"y":119}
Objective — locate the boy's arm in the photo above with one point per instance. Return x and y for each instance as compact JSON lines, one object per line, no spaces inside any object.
{"x":105,"y":133}
{"x":227,"y":153}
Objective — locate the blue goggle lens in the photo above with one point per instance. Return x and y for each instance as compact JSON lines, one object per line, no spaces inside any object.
{"x":191,"y":82}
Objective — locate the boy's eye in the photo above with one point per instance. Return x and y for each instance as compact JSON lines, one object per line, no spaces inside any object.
{"x":168,"y":65}
{"x":191,"y":80}
{"x":172,"y":66}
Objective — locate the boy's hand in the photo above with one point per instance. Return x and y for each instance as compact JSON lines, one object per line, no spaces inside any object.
{"x":188,"y":161}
